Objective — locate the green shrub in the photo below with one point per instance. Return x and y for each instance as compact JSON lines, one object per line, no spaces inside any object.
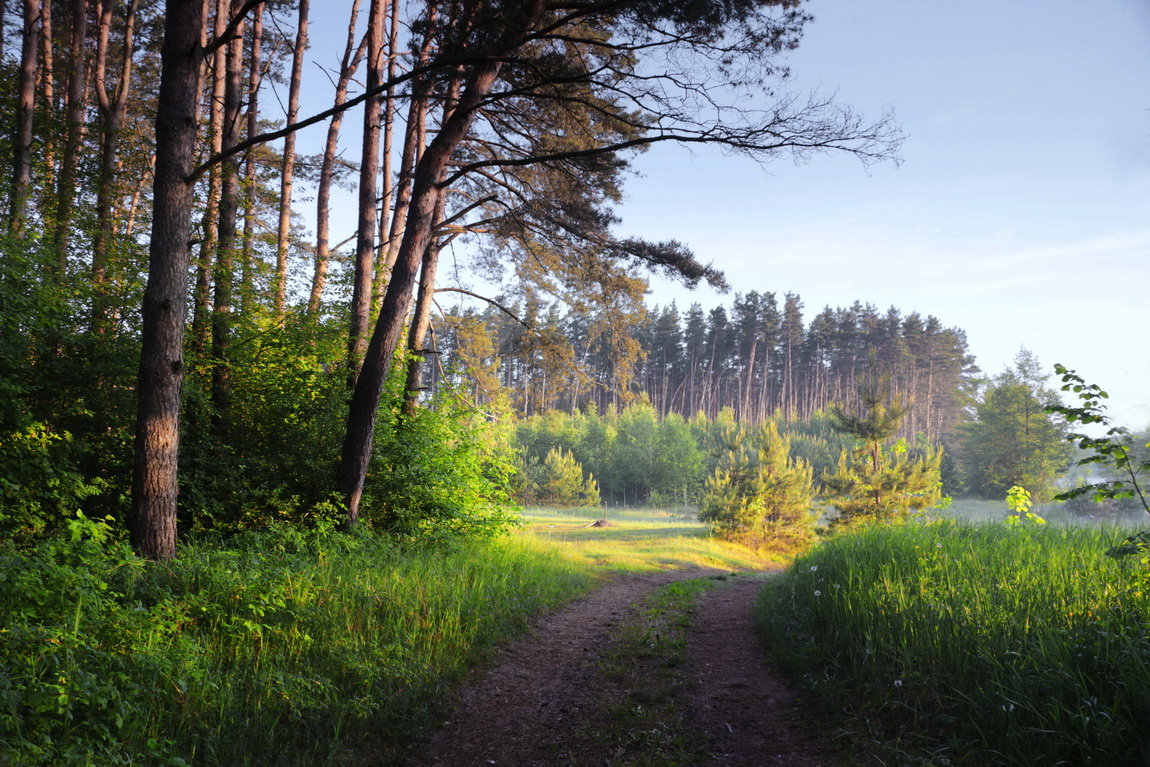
{"x":758,"y":495}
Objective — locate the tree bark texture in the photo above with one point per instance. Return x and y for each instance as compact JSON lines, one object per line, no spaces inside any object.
{"x":111,"y":116}
{"x":155,"y":487}
{"x":76,"y":108}
{"x":224,"y":274}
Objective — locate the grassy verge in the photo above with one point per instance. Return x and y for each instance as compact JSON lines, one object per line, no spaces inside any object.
{"x":276,"y":648}
{"x":972,"y":644}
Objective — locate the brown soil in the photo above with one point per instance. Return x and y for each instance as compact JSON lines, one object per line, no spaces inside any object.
{"x":532,"y":708}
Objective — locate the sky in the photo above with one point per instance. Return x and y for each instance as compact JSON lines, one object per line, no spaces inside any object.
{"x":1020,"y":210}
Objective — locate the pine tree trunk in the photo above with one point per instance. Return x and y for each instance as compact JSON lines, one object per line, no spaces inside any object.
{"x":155,"y":486}
{"x":356,"y":452}
{"x":364,"y":260}
{"x":251,"y":166}
{"x":25,"y":107}
{"x":76,"y":108}
{"x":348,"y":67}
{"x":112,"y":114}
{"x":202,"y":292}
{"x":224,"y":274}
{"x":287,"y":168}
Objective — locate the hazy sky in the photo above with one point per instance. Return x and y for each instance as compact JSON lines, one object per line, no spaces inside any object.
{"x":1020,"y":213}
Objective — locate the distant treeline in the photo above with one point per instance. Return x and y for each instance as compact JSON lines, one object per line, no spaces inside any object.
{"x":636,"y":457}
{"x":754,"y":357}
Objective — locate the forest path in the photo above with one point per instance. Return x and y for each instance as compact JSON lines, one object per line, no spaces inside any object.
{"x":547,"y":701}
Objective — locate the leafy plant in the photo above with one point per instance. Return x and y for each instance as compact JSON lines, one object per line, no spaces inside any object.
{"x":1019,"y":503}
{"x":1116,"y":448}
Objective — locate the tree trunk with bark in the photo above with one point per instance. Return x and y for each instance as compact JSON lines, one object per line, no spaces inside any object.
{"x":75,"y":110}
{"x":351,"y":59}
{"x":287,"y":168}
{"x":112,"y":115}
{"x":251,"y":165}
{"x":357,"y":446}
{"x":21,"y":187}
{"x":155,"y":486}
{"x":364,"y":260}
{"x":224,"y":275}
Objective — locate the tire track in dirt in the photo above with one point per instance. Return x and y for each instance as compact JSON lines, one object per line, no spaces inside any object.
{"x":749,"y":715}
{"x":531,"y":708}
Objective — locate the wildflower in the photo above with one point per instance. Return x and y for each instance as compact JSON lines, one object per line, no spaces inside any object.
{"x":814,"y":568}
{"x":898,"y":683}
{"x":818,"y":593}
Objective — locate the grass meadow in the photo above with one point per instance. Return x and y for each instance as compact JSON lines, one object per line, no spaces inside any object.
{"x":966,"y":643}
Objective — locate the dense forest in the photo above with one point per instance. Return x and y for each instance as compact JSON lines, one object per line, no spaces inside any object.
{"x":174,"y":315}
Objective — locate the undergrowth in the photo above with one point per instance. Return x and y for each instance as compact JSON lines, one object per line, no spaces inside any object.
{"x":279,"y":647}
{"x":972,"y":644}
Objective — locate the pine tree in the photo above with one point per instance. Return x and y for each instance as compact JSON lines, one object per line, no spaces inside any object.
{"x":758,"y":494}
{"x":880,"y":481}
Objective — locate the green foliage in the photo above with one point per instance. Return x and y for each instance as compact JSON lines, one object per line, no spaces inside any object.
{"x":279,"y":647}
{"x":959,"y":644}
{"x":559,"y":481}
{"x":1115,"y":449}
{"x":634,"y":456}
{"x":1019,"y":503}
{"x":1013,"y":439}
{"x":757,"y":494}
{"x":880,"y":482}
{"x":441,"y":471}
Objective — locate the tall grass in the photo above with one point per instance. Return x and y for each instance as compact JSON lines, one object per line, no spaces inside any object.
{"x":1005,"y":646}
{"x":277,"y":648}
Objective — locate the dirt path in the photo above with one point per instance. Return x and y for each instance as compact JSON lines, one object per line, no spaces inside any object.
{"x":532,"y":707}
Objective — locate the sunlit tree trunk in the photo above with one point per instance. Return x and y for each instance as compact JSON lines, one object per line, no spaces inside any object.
{"x":251,"y":165}
{"x":202,"y":292}
{"x":420,"y":223}
{"x":287,"y":168}
{"x":155,"y":487}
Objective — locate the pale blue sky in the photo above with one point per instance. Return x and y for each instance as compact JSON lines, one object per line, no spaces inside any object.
{"x":1021,"y":212}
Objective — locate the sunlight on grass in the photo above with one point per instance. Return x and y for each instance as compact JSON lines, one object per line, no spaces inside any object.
{"x":640,"y":540}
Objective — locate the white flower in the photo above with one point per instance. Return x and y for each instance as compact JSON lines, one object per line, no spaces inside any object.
{"x":818,"y":593}
{"x":898,"y":683}
{"x":814,"y":568}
